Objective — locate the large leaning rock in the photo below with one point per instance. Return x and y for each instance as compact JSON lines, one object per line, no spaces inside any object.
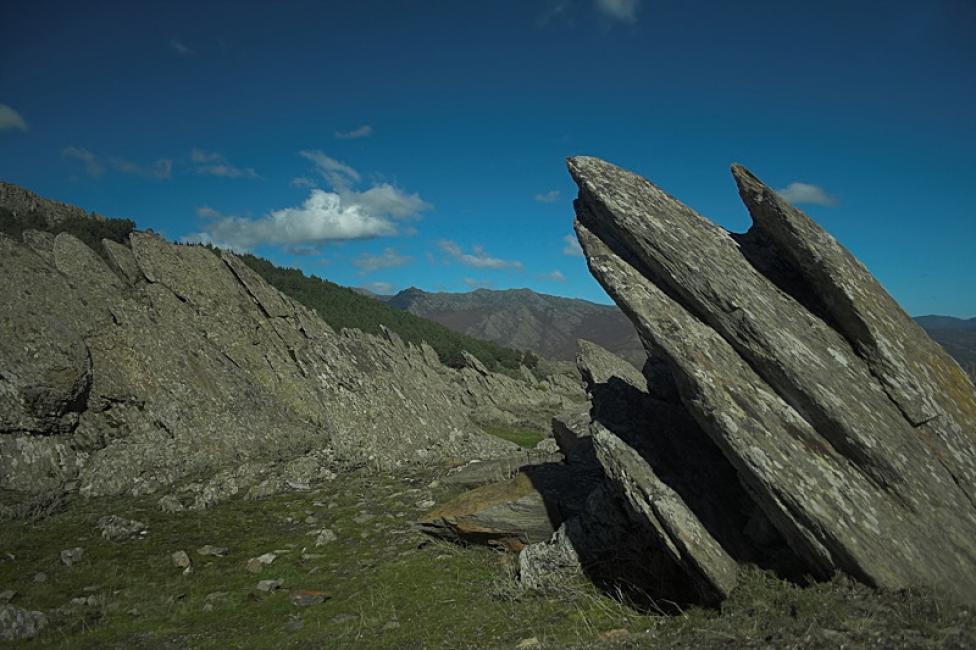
{"x":851,"y":431}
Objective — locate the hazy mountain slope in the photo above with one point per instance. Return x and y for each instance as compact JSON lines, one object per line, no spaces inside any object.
{"x":550,"y":325}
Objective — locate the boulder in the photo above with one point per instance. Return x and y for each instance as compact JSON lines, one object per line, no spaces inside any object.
{"x":835,"y":434}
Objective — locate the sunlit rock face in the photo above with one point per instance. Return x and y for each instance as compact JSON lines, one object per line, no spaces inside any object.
{"x":850,"y":431}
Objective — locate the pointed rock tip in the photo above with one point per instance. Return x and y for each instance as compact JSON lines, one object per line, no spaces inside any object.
{"x":745,"y":178}
{"x":582,"y":166}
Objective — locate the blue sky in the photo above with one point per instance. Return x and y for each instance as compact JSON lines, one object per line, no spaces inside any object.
{"x":389,"y":144}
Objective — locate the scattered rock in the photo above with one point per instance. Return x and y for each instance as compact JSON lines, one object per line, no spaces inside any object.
{"x":117,"y":529}
{"x":363,"y":517}
{"x":307,"y":598}
{"x":325,"y":536}
{"x":182,"y":561}
{"x":213,"y":551}
{"x":270,"y":585}
{"x":531,"y":642}
{"x":7,"y":595}
{"x":391,"y":625}
{"x":40,"y":576}
{"x":72,"y":556}
{"x":17,"y":624}
{"x":256,"y":564}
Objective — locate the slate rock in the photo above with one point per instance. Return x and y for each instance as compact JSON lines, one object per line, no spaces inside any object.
{"x":18,"y":624}
{"x":842,"y":468}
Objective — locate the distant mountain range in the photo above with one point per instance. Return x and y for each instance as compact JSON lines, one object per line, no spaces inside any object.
{"x":550,"y":325}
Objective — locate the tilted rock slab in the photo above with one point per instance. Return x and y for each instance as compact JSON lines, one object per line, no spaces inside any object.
{"x":160,"y":363}
{"x":833,"y":455}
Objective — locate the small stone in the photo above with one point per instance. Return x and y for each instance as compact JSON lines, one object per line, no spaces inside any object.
{"x":182,"y":561}
{"x":434,"y":484}
{"x":17,"y":624}
{"x":426,"y":504}
{"x":391,"y":625}
{"x":170,"y":503}
{"x":311,"y":519}
{"x":614,"y":635}
{"x":117,"y":529}
{"x":72,"y":555}
{"x":339,"y":619}
{"x":306,"y":598}
{"x":40,"y":576}
{"x":7,"y":595}
{"x":214,"y":551}
{"x":530,"y":642}
{"x":270,"y":585}
{"x":326,"y":536}
{"x":256,"y":564}
{"x":362,"y":518}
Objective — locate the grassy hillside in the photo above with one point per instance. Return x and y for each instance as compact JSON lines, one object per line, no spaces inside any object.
{"x":88,"y":229}
{"x":343,"y":307}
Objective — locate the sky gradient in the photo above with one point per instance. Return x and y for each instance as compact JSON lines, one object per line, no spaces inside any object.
{"x":395,"y":144}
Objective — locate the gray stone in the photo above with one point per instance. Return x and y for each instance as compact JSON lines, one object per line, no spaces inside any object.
{"x":257,"y":564}
{"x":72,"y":556}
{"x":18,"y":624}
{"x":117,"y":529}
{"x":270,"y":585}
{"x":325,"y":536}
{"x":827,"y":444}
{"x":213,"y":551}
{"x":181,"y":560}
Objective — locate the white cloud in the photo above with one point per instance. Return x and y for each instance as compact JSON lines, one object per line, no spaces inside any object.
{"x":211,"y":163}
{"x":623,"y":10}
{"x":554,"y":276}
{"x":572,"y":246}
{"x":160,"y":170}
{"x":11,"y":119}
{"x":381,"y":198}
{"x":362,"y":132}
{"x":548,"y":197}
{"x":477,"y":258}
{"x":323,"y":217}
{"x":302,"y":181}
{"x":796,"y":193}
{"x":206,"y":212}
{"x":389,"y":258}
{"x":478,"y":284}
{"x":92,"y":166}
{"x":179,"y":47}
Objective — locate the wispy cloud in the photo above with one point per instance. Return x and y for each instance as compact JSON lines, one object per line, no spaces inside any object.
{"x":478,"y":257}
{"x":206,"y":212}
{"x":796,"y":193}
{"x":11,"y":120}
{"x":556,"y":11}
{"x":90,"y":161}
{"x":343,"y":214}
{"x":380,"y":287}
{"x":180,"y":47}
{"x":160,"y":170}
{"x":547,"y":197}
{"x":211,"y":163}
{"x":362,"y":132}
{"x":624,"y":11}
{"x":302,"y":181}
{"x":571,"y":246}
{"x":389,"y":258}
{"x":478,"y":284}
{"x":554,"y":276}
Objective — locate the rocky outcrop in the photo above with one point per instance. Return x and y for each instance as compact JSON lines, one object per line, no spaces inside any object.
{"x":850,"y":431}
{"x":160,"y":363}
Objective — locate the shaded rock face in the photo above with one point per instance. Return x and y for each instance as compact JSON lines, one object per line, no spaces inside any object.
{"x":850,"y":430}
{"x":169,"y":362}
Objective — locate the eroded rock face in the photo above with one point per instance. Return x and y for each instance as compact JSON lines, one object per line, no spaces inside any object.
{"x":851,"y":431}
{"x":163,"y":363}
